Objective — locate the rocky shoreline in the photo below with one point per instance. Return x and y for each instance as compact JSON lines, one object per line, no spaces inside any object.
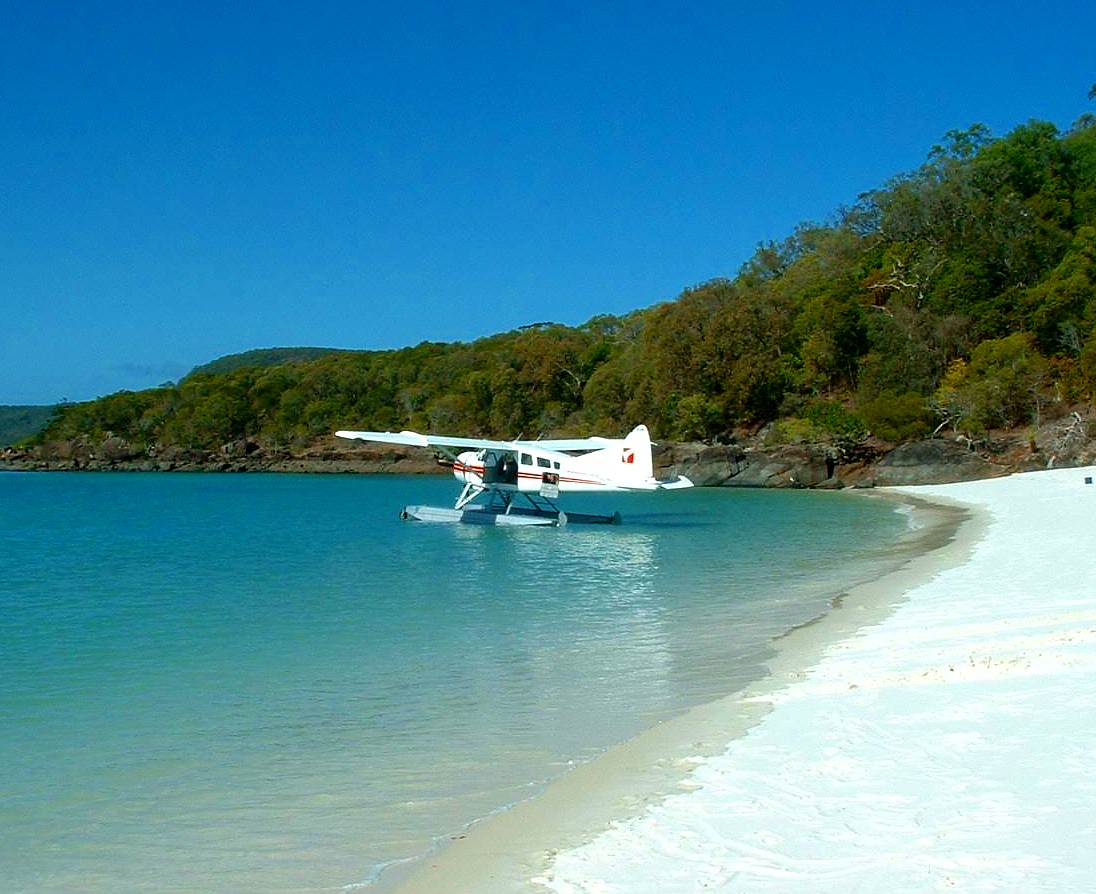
{"x":749,"y":463}
{"x":114,"y":455}
{"x":942,"y":459}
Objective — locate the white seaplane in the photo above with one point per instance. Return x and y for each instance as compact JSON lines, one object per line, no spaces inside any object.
{"x":537,"y":471}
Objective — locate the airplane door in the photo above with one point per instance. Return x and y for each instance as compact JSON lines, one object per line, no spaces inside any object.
{"x":549,"y":485}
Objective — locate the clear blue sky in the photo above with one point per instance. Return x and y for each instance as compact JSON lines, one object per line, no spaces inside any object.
{"x":180,"y":181}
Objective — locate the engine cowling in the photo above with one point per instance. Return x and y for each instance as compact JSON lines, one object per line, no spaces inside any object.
{"x":469,"y":467}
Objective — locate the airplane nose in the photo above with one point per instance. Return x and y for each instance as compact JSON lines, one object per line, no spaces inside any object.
{"x":462,"y":468}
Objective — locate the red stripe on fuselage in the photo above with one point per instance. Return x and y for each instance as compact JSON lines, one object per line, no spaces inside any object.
{"x":529,"y":476}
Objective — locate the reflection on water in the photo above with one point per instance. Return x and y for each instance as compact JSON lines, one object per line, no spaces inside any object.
{"x":564,"y":613}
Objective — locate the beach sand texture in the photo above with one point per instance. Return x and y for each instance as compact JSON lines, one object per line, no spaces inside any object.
{"x":950,"y":747}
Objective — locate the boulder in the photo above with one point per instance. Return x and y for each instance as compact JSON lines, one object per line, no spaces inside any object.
{"x":705,"y":466}
{"x":115,"y":449}
{"x":794,"y":465}
{"x":936,"y":461}
{"x":720,"y":465}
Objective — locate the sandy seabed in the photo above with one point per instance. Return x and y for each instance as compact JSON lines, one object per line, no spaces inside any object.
{"x":937,"y":733}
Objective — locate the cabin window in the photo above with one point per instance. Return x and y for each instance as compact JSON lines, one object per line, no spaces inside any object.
{"x":526,"y":459}
{"x":555,"y":465}
{"x":544,"y":463}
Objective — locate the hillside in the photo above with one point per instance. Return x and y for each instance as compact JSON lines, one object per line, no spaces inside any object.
{"x":956,"y":298}
{"x":19,"y":423}
{"x":259,"y":357}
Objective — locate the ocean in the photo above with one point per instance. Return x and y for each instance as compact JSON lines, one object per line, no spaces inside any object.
{"x":270,"y":682}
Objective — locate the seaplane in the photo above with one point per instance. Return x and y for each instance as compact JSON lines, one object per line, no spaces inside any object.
{"x":518,"y":482}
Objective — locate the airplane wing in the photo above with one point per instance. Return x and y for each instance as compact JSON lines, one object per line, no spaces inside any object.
{"x":414,"y":439}
{"x":572,"y":445}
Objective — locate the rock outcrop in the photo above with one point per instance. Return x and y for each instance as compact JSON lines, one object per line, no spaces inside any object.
{"x":938,"y":461}
{"x":734,"y":466}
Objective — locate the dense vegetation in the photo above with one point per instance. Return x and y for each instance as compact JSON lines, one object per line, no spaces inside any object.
{"x":260,"y":357}
{"x":961,"y":294}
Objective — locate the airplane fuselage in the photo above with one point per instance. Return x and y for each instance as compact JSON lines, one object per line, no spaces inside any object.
{"x":525,"y":471}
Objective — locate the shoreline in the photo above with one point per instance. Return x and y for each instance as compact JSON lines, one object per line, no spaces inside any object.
{"x":750,"y":462}
{"x":506,"y":852}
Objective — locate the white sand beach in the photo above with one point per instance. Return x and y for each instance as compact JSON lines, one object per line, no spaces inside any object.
{"x":937,"y":733}
{"x":951,"y":747}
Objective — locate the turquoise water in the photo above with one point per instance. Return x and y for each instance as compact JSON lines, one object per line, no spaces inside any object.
{"x":239,"y":683}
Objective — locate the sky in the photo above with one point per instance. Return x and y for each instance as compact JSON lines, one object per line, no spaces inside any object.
{"x":180,"y":181}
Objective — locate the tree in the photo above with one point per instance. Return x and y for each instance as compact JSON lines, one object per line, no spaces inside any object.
{"x":1087,"y":363}
{"x":999,"y":388}
{"x":836,"y":337}
{"x":1064,"y":303}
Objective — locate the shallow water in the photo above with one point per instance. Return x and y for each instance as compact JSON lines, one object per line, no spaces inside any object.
{"x":224,"y":683}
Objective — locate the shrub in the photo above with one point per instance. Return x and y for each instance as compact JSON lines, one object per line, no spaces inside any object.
{"x":822,"y":421}
{"x":835,"y":420}
{"x":792,"y":430}
{"x":898,"y":417}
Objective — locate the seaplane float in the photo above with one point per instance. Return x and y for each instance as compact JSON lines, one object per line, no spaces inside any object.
{"x":496,"y":474}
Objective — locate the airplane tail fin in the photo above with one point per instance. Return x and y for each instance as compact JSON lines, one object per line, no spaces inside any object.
{"x":635,"y":455}
{"x":627,"y":463}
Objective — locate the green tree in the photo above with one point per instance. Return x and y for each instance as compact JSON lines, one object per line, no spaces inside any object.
{"x":1064,"y":303}
{"x":1087,"y":364}
{"x":1000,"y":387}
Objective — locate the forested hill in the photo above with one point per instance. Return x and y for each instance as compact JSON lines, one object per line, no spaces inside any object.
{"x":19,"y":423}
{"x":961,"y":294}
{"x":260,"y":357}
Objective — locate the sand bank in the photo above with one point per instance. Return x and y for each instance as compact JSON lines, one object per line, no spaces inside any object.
{"x":541,"y":844}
